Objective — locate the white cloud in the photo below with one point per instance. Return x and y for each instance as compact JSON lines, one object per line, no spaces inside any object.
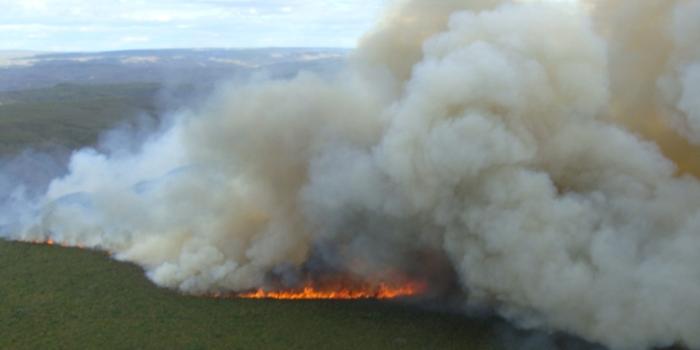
{"x":135,"y":39}
{"x":93,"y":25}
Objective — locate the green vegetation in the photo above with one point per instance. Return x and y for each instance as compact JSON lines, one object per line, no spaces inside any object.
{"x":68,"y":115}
{"x":61,"y":298}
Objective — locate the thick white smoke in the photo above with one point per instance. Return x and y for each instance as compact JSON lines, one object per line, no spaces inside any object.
{"x":481,"y":140}
{"x":681,"y":84}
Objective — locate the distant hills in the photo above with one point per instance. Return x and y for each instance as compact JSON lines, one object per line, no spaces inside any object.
{"x":68,"y":116}
{"x":66,"y":101}
{"x":31,"y":70}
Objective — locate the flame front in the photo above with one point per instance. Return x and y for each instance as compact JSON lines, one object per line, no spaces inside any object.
{"x":337,"y":291}
{"x":51,"y":242}
{"x":382,"y":291}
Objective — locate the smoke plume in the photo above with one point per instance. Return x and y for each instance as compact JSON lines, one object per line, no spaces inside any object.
{"x":537,"y":157}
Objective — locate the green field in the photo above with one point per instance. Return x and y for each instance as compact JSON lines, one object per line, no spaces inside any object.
{"x":60,"y":298}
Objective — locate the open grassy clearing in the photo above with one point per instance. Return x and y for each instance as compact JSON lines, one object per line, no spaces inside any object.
{"x":61,"y":298}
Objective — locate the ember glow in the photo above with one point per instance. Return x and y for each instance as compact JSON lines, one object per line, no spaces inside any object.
{"x":51,"y":242}
{"x":381,"y":292}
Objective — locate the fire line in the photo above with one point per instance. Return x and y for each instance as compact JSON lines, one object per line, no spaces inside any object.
{"x":381,"y":292}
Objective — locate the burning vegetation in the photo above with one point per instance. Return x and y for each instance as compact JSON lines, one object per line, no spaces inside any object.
{"x":309,"y":292}
{"x":51,"y":242}
{"x":312,"y":290}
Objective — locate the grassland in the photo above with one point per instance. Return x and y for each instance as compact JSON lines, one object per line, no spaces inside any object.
{"x":60,"y":298}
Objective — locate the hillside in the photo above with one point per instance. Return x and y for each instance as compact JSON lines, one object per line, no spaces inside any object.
{"x":38,"y":70}
{"x":59,"y":298}
{"x":68,"y":115}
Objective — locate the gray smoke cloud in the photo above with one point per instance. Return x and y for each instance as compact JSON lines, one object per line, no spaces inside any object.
{"x":496,"y":146}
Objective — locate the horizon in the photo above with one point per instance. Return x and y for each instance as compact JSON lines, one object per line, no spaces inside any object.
{"x":222,"y":48}
{"x":100,"y":26}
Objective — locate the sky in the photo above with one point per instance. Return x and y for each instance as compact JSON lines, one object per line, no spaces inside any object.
{"x":102,"y":25}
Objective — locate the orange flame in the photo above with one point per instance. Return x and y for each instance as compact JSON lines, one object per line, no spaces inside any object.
{"x":382,"y":291}
{"x":51,"y":242}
